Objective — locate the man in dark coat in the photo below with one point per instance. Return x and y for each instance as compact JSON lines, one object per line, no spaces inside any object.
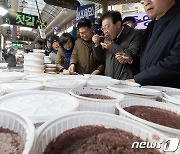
{"x":119,"y":41}
{"x":160,"y":59}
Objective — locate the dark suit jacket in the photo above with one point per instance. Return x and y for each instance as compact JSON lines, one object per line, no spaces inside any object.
{"x":160,"y":59}
{"x":128,"y":41}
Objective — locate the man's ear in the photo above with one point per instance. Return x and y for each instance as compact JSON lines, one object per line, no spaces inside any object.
{"x":119,"y":24}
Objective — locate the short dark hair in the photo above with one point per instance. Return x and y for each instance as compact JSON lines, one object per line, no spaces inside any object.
{"x":54,"y":38}
{"x":129,"y":19}
{"x":40,"y":42}
{"x":114,"y":15}
{"x":84,"y":23}
{"x":64,"y":38}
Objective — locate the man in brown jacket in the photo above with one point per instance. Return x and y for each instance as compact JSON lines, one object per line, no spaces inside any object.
{"x":83,"y":58}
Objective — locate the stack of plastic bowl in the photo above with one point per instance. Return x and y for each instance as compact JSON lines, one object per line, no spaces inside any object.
{"x":94,"y":104}
{"x":144,"y":102}
{"x":50,"y":130}
{"x":50,"y":68}
{"x":47,"y":60}
{"x":34,"y":63}
{"x":39,"y":106}
{"x":63,"y":85}
{"x":135,"y":92}
{"x":19,"y":124}
{"x":20,"y":85}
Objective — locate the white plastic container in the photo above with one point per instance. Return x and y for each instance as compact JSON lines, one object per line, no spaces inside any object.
{"x":33,"y":56}
{"x":101,"y":82}
{"x":63,"y":85}
{"x":50,"y":69}
{"x":20,"y":124}
{"x":162,"y":89}
{"x":95,"y":77}
{"x":50,"y":65}
{"x":34,"y":71}
{"x":11,"y":76}
{"x":50,"y":130}
{"x":39,"y":106}
{"x":143,"y":102}
{"x":173,"y":97}
{"x":135,"y":92}
{"x":165,"y":100}
{"x":20,"y":85}
{"x":38,"y":51}
{"x":1,"y":91}
{"x":47,"y":60}
{"x":3,"y":65}
{"x":33,"y":67}
{"x":33,"y":62}
{"x":92,"y":104}
{"x":128,"y":83}
{"x":71,"y":77}
{"x":40,"y":77}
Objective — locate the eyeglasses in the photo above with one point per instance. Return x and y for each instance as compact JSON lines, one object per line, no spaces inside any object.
{"x":106,"y":27}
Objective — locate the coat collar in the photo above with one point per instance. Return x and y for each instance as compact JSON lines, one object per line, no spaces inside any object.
{"x":125,"y":30}
{"x":170,"y":14}
{"x":61,"y":52}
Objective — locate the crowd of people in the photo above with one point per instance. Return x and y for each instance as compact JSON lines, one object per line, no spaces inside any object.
{"x":122,"y":52}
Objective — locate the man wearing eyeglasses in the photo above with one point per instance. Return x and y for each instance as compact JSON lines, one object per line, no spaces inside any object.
{"x":119,"y":42}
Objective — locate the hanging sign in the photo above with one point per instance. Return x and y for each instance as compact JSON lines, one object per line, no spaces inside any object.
{"x":70,"y":4}
{"x":86,"y":11}
{"x":22,"y":19}
{"x":18,"y":44}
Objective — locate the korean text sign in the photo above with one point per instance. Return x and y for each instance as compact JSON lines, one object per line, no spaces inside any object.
{"x":86,"y":11}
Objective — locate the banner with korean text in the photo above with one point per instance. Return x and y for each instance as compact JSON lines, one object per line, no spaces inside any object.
{"x":86,"y":11}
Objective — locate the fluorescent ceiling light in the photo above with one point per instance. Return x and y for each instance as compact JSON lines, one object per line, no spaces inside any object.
{"x":3,"y":11}
{"x":25,"y":29}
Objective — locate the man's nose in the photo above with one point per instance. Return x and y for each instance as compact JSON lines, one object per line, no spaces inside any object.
{"x":106,"y":32}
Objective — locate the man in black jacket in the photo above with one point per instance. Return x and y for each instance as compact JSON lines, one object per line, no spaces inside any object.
{"x":160,"y":59}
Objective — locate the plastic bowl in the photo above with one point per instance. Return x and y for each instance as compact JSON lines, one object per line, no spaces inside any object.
{"x":92,"y":104}
{"x":20,"y":85}
{"x":39,"y":106}
{"x":20,"y":124}
{"x":144,"y":102}
{"x":135,"y":92}
{"x":63,"y":85}
{"x":50,"y":130}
